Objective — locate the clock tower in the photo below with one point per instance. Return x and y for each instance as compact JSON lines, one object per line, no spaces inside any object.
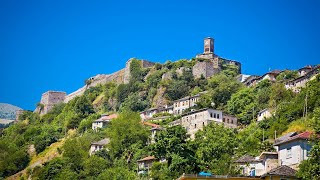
{"x":208,"y":45}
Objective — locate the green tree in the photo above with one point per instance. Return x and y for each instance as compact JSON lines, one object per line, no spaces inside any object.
{"x":177,"y":90}
{"x":125,"y":131}
{"x":216,"y":146}
{"x":172,"y":145}
{"x":242,"y":105}
{"x":310,"y":168}
{"x":117,"y":173}
{"x":93,"y":166}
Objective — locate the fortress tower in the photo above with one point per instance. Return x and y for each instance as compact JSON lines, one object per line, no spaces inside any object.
{"x":208,"y":45}
{"x":209,"y":63}
{"x":49,"y":99}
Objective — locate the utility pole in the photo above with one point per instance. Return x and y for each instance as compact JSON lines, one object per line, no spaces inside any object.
{"x":275,"y":134}
{"x":306,"y":106}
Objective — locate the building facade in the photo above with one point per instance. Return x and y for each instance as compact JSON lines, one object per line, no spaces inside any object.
{"x":196,"y":120}
{"x":293,"y":149}
{"x":103,"y":121}
{"x":264,"y":114}
{"x":99,"y":145}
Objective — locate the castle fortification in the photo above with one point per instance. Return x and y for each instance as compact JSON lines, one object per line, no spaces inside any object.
{"x":49,"y":99}
{"x":210,"y":63}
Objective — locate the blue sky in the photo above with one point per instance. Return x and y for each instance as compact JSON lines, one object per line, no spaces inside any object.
{"x":56,"y":45}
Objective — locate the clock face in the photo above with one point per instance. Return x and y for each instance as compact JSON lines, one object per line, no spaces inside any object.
{"x":206,"y":43}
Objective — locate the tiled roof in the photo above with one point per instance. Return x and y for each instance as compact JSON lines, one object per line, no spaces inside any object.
{"x":152,"y":125}
{"x":246,"y":159}
{"x":101,"y":142}
{"x":107,"y":118}
{"x":147,"y":158}
{"x":281,"y":171}
{"x":305,"y":135}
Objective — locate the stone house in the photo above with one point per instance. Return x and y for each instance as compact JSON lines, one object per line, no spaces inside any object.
{"x":154,"y":128}
{"x":103,"y":121}
{"x":166,"y":109}
{"x":304,"y":70}
{"x":196,"y":120}
{"x":251,"y":81}
{"x":306,"y":74}
{"x":293,"y":148}
{"x":242,"y":77}
{"x":264,"y":114}
{"x":145,"y":164}
{"x":99,"y":145}
{"x":271,"y":76}
{"x":280,"y":173}
{"x":180,"y":105}
{"x":257,"y":166}
{"x":147,"y":114}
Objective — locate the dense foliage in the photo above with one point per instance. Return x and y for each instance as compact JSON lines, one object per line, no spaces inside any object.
{"x":213,"y":149}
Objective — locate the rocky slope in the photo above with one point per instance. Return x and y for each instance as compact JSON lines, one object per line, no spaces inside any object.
{"x":8,"y":111}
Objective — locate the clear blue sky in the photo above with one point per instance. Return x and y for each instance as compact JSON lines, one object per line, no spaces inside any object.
{"x":56,"y":45}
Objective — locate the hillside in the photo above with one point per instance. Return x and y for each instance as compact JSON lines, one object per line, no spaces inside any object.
{"x":8,"y":111}
{"x":185,"y":147}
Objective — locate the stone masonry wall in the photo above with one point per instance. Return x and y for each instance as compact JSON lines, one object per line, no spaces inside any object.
{"x":204,"y":68}
{"x":51,"y":98}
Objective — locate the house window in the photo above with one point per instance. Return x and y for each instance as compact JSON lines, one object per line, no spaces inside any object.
{"x":289,"y":153}
{"x":214,"y":115}
{"x":195,"y":126}
{"x":224,"y":119}
{"x":210,"y":114}
{"x":218,"y":116}
{"x":202,"y":123}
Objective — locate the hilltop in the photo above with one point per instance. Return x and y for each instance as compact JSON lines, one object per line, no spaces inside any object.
{"x":8,"y":111}
{"x":187,"y":116}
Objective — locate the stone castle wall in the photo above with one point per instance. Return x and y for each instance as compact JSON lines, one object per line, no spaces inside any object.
{"x":127,"y":75}
{"x":51,"y":98}
{"x":204,"y":68}
{"x":212,"y":66}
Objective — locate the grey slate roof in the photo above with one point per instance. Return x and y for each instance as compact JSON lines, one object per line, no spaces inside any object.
{"x":247,"y":159}
{"x":101,"y":142}
{"x":281,"y":171}
{"x":285,"y":137}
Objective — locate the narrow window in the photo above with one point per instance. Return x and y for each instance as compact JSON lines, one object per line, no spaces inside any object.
{"x":214,"y":115}
{"x":289,"y":153}
{"x":195,"y":126}
{"x":218,"y":116}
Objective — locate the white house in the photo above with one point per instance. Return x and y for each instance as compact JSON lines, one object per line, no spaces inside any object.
{"x":144,"y":165}
{"x":99,"y":145}
{"x":264,"y":114}
{"x":103,"y":121}
{"x":257,"y":166}
{"x":147,"y":114}
{"x":293,"y":148}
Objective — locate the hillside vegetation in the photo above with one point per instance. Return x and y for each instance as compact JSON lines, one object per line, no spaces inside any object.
{"x":214,"y":148}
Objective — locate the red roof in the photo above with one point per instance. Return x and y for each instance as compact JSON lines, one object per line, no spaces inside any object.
{"x":147,"y":158}
{"x":109,"y":117}
{"x":151,"y":124}
{"x":305,"y":135}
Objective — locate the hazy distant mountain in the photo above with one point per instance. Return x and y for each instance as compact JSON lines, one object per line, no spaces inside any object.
{"x":8,"y":111}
